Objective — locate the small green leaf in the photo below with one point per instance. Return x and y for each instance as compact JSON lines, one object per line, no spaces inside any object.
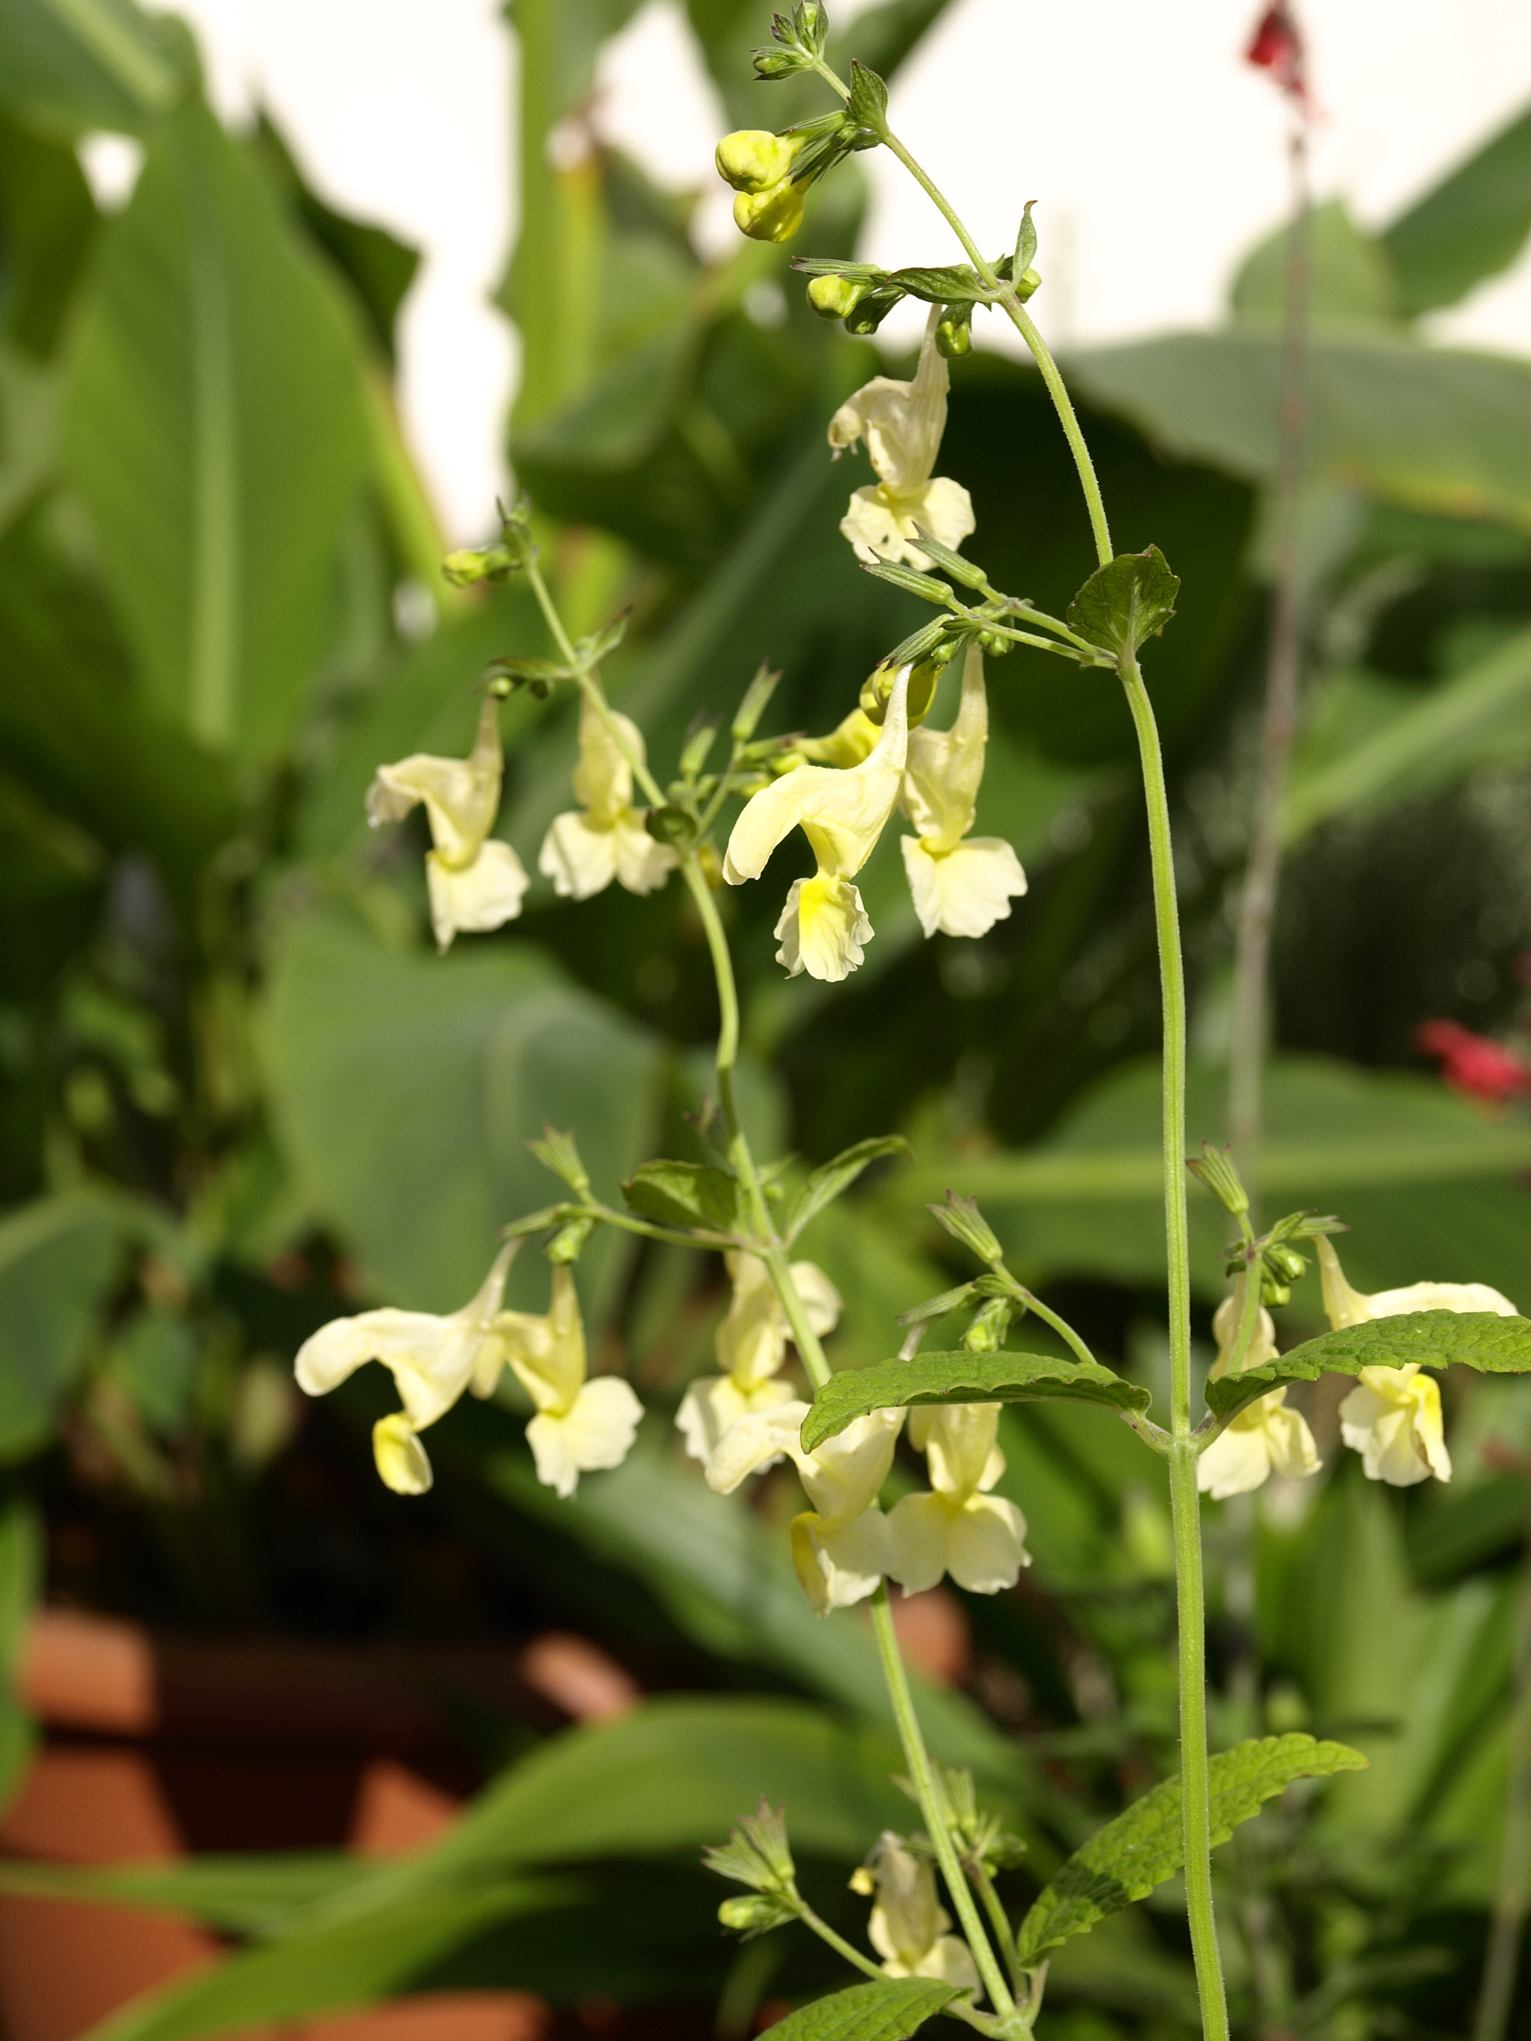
{"x":1126,"y":1859}
{"x":955,"y":285}
{"x":869,"y":2012}
{"x":828,"y":1181}
{"x":1129,"y":599}
{"x":1437,"y":1339}
{"x":1025,"y":242}
{"x":594,"y":647}
{"x":963,"y":1378}
{"x":685,"y":1194}
{"x":868,"y":103}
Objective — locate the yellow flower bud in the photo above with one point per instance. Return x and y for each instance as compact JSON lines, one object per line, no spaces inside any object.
{"x":771,"y":215}
{"x":753,"y":159}
{"x":878,"y":686}
{"x":835,"y":297}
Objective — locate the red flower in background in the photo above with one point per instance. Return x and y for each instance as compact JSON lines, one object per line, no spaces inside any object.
{"x":1276,"y":46}
{"x":1473,"y":1063}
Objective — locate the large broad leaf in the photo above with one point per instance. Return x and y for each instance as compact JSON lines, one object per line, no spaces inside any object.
{"x":1146,"y":1845}
{"x":1471,"y":226}
{"x":1481,"y":716}
{"x":1428,"y":1186}
{"x":258,"y":1896}
{"x":963,"y":1378}
{"x":869,"y":2012}
{"x":216,"y":432}
{"x":1433,"y":1339}
{"x":406,"y":1087}
{"x":326,"y":1965}
{"x":1431,"y":428}
{"x":726,"y":1579}
{"x":71,"y":65}
{"x":56,"y":1258}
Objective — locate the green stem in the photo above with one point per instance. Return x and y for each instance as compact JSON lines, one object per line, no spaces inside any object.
{"x":1007,"y":296}
{"x":1184,"y":1500}
{"x":1497,"y":1995}
{"x":1061,"y":1326}
{"x":1041,"y":354}
{"x":923,"y":1780}
{"x":1003,"y":1933}
{"x":838,"y":1943}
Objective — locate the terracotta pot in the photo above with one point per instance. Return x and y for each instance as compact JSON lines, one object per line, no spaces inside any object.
{"x":159,"y":1747}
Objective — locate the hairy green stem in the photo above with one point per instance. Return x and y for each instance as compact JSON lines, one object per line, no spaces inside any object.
{"x":1004,"y":1934}
{"x":1184,"y":1499}
{"x":923,"y":1780}
{"x":837,"y":1942}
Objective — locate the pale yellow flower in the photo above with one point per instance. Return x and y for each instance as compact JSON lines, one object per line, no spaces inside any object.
{"x":752,"y":1345}
{"x":432,"y":1359}
{"x":902,"y":424}
{"x":475,"y":882}
{"x":838,"y":1545}
{"x":842,"y":813}
{"x":604,"y":838}
{"x":580,"y":1426}
{"x":957,"y":1527}
{"x":1393,"y":1419}
{"x":908,"y":1927}
{"x":961,"y":884}
{"x":1265,"y":1435}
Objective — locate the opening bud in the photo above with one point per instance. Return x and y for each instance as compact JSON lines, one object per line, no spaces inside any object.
{"x":487,"y":563}
{"x":987,"y":1329}
{"x":771,"y":215}
{"x":835,"y":297}
{"x":558,"y":1153}
{"x":877,"y":690}
{"x":1214,"y":1168}
{"x":671,"y":825}
{"x":963,"y":1221}
{"x":753,"y":159}
{"x":1026,"y":284}
{"x":954,"y":332}
{"x":568,"y":1243}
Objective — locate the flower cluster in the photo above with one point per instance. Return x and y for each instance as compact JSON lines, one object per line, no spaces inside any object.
{"x":579,"y":1426}
{"x":752,"y":1346}
{"x":1392,"y":1419}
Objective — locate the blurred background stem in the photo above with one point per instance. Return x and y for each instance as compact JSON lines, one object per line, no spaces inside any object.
{"x":1251,"y":972}
{"x":1508,"y":1920}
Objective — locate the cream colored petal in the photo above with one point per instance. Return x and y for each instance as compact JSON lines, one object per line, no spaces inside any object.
{"x":842,"y":812}
{"x":479,"y":897}
{"x":857,"y":1550}
{"x":919,"y":1527}
{"x":1343,"y":1305}
{"x":952,"y":1960}
{"x":986,"y":1545}
{"x":390,"y":798}
{"x":752,"y":1339}
{"x":964,"y":891}
{"x":579,"y":858}
{"x":461,"y":795}
{"x":595,"y":1432}
{"x":714,"y":1403}
{"x":822,"y":1302}
{"x":1392,"y":1419}
{"x":1439,"y":1297}
{"x":853,"y":738}
{"x":338,"y":1349}
{"x":943,"y":769}
{"x":603,"y":778}
{"x":944,"y":509}
{"x":826,"y":1582}
{"x":958,"y":1440}
{"x":548,"y":1354}
{"x":902,"y":423}
{"x":844,"y":1475}
{"x":871,"y":523}
{"x":754,"y":1441}
{"x":1225,"y":1330}
{"x":643,"y":864}
{"x":1237,"y":1461}
{"x":823,"y":930}
{"x":1289,"y":1442}
{"x":908,"y":1920}
{"x":401,"y":1460}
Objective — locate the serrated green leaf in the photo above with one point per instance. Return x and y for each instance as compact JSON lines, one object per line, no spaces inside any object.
{"x":963,"y":1378}
{"x":1146,"y":1845}
{"x":831,"y":1178}
{"x":1436,"y":1339}
{"x":1129,"y":599}
{"x":685,"y":1194}
{"x":869,"y":2012}
{"x":957,"y":284}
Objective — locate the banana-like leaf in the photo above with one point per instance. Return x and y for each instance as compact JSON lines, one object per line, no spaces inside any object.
{"x":1146,"y":1845}
{"x":215,"y":429}
{"x":73,"y":65}
{"x":1471,"y":226}
{"x":396,"y":1074}
{"x":1433,"y":1339}
{"x":257,"y":1896}
{"x":1430,"y":428}
{"x":869,"y":2012}
{"x":57,"y":1256}
{"x":964,"y":1378}
{"x":1480,"y":716}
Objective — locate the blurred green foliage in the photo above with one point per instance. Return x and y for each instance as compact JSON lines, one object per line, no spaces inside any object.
{"x":236,"y":1092}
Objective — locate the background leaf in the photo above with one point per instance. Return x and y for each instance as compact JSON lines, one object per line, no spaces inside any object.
{"x":215,"y":431}
{"x":92,"y":64}
{"x":56,"y":1258}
